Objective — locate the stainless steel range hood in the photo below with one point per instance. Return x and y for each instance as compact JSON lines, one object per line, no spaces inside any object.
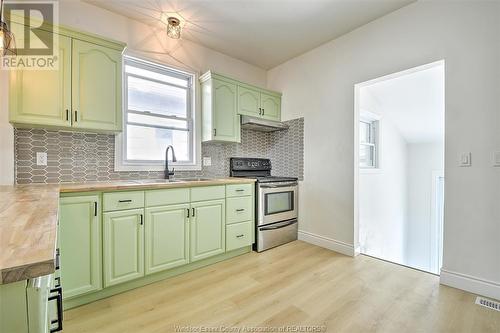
{"x":263,"y":125}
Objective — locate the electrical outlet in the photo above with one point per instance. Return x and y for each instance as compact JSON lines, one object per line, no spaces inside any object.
{"x":41,"y":159}
{"x":465,"y":159}
{"x":207,"y":161}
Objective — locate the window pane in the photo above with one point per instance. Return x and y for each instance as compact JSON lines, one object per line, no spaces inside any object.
{"x":149,"y":144}
{"x":157,"y":76}
{"x":366,"y":156}
{"x":152,"y":120}
{"x":364,"y":132}
{"x":145,"y":95}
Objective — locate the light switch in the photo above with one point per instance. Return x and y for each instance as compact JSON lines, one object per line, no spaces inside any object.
{"x":41,"y":158}
{"x":496,"y":159}
{"x":207,"y":161}
{"x":465,"y":159}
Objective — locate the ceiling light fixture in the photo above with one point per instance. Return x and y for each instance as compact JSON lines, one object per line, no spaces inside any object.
{"x":174,"y":27}
{"x":7,"y":42}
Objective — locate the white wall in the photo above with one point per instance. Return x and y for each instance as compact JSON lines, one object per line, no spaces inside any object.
{"x":423,"y":160}
{"x":319,"y":86}
{"x":154,"y":43}
{"x":383,"y":191}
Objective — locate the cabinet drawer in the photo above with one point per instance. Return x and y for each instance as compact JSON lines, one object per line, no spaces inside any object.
{"x":208,"y":193}
{"x":167,"y":197}
{"x":238,"y":190}
{"x":239,"y":209}
{"x":239,"y":235}
{"x":122,"y":200}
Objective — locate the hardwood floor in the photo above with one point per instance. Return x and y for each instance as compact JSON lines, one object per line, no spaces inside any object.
{"x":295,"y":284}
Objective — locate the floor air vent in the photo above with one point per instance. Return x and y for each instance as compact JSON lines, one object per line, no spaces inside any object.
{"x":488,"y":303}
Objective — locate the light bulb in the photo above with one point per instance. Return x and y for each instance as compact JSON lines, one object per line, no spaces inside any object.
{"x":174,"y":28}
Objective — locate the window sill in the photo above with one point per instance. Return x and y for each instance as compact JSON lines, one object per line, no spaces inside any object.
{"x":119,"y":168}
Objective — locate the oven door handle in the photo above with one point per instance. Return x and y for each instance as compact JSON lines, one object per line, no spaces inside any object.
{"x":278,"y":225}
{"x":278,"y":186}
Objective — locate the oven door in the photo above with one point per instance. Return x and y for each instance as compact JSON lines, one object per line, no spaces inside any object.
{"x":277,"y":202}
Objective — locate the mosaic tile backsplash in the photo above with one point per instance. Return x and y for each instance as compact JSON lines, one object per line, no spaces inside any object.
{"x":85,"y":157}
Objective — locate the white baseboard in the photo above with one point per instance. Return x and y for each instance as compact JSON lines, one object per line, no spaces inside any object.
{"x":328,"y":243}
{"x":470,"y":283}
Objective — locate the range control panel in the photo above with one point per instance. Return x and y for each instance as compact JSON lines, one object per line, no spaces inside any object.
{"x":249,"y":164}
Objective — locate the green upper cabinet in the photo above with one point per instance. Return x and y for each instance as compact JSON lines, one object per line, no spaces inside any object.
{"x":248,"y":102}
{"x":225,"y":99}
{"x":208,"y":229}
{"x":96,"y":87}
{"x":84,"y":93}
{"x":43,"y":97}
{"x":270,"y":106}
{"x":220,"y":120}
{"x":167,"y":237}
{"x":123,"y":246}
{"x":80,"y":244}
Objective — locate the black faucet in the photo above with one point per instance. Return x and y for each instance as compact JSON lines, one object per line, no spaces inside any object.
{"x":169,"y":173}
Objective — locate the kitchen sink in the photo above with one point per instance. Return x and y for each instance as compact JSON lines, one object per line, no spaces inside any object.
{"x":158,"y":181}
{"x":194,"y":179}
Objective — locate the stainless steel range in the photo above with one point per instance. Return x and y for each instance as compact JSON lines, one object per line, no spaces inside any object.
{"x":276,"y":202}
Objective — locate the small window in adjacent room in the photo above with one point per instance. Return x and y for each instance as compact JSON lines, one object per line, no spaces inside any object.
{"x":368,"y":143}
{"x":158,"y":111}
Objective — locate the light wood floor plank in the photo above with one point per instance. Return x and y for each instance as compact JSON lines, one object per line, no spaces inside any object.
{"x":295,"y":284}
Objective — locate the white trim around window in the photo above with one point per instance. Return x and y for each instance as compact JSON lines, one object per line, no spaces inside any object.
{"x":191,"y":120}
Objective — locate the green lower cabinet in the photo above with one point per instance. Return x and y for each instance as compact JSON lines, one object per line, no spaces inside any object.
{"x":166,"y":237}
{"x":123,"y":246}
{"x":208,"y":229}
{"x":239,"y":235}
{"x":80,"y":244}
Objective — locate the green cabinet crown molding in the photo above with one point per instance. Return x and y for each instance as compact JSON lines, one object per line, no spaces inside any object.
{"x":212,"y":75}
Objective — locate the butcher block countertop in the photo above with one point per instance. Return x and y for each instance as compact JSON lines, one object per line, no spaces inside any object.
{"x":29,"y":217}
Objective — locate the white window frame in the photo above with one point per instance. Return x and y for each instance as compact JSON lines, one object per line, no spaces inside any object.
{"x":193,"y":117}
{"x":373,"y":120}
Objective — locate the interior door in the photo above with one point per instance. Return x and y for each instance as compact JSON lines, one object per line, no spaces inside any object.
{"x":43,"y":97}
{"x":167,"y":237}
{"x":226,"y":120}
{"x":96,"y":87}
{"x":80,"y":245}
{"x":207,"y":229}
{"x":123,"y":246}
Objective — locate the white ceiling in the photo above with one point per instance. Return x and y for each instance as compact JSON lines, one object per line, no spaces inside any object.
{"x":414,"y":103}
{"x":265,"y":33}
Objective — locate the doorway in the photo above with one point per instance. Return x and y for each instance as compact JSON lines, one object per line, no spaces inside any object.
{"x":399,"y":165}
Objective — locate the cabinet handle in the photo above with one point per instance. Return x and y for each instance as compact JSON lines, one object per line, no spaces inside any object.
{"x":240,"y":210}
{"x":260,"y":111}
{"x":142,"y":219}
{"x":67,"y":114}
{"x":76,"y":116}
{"x":239,"y":236}
{"x":263,"y":111}
{"x":58,"y":259}
{"x":58,"y":299}
{"x":95,"y":208}
{"x":188,"y":212}
{"x":240,"y":190}
{"x":123,"y":201}
{"x":215,"y":131}
{"x":193,"y":212}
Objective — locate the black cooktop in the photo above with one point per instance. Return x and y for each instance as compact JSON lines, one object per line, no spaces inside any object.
{"x":258,"y":168}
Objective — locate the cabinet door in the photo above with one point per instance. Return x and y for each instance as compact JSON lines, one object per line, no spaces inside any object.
{"x":208,"y":229}
{"x":226,"y":122}
{"x":167,"y":237}
{"x":271,"y":106}
{"x":123,"y":246}
{"x":96,"y":87}
{"x":80,"y":244}
{"x":43,"y":97}
{"x":248,"y":102}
